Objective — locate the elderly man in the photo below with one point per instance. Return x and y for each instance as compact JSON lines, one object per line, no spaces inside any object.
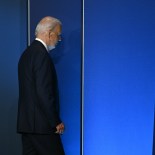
{"x":38,"y":116}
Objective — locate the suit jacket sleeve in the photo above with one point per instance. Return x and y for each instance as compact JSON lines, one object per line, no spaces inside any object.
{"x":46,"y":88}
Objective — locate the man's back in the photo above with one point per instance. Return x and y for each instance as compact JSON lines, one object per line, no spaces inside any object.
{"x":38,"y":94}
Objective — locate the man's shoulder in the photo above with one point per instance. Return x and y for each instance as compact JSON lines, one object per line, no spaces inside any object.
{"x":37,"y":46}
{"x":35,"y":49}
{"x":34,"y":52}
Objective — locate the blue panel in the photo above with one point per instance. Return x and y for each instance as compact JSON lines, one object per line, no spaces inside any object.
{"x":13,"y":41}
{"x":67,"y":59}
{"x":119,"y":77}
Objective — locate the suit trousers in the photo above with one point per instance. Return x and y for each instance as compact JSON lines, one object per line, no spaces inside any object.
{"x":42,"y":144}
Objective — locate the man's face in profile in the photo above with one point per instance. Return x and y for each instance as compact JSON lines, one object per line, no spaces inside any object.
{"x":54,"y":35}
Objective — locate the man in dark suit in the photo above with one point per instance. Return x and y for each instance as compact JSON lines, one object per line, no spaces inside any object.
{"x":38,"y":109}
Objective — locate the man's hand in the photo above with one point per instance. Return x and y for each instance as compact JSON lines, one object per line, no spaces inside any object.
{"x":60,"y":128}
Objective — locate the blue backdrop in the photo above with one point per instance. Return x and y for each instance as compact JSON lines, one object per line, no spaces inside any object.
{"x":12,"y":42}
{"x":119,"y":77}
{"x":119,"y":73}
{"x":67,"y":60}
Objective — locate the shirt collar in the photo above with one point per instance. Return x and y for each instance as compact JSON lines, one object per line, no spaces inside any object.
{"x":42,"y":43}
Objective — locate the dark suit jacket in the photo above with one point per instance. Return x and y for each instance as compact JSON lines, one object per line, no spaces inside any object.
{"x":38,"y":92}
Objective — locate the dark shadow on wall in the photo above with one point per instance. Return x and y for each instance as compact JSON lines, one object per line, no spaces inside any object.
{"x":67,"y":59}
{"x":74,"y":43}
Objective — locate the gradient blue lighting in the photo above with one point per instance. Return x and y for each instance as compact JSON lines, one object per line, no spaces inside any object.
{"x":119,"y":77}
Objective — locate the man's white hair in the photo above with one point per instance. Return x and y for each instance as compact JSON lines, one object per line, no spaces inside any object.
{"x":46,"y":24}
